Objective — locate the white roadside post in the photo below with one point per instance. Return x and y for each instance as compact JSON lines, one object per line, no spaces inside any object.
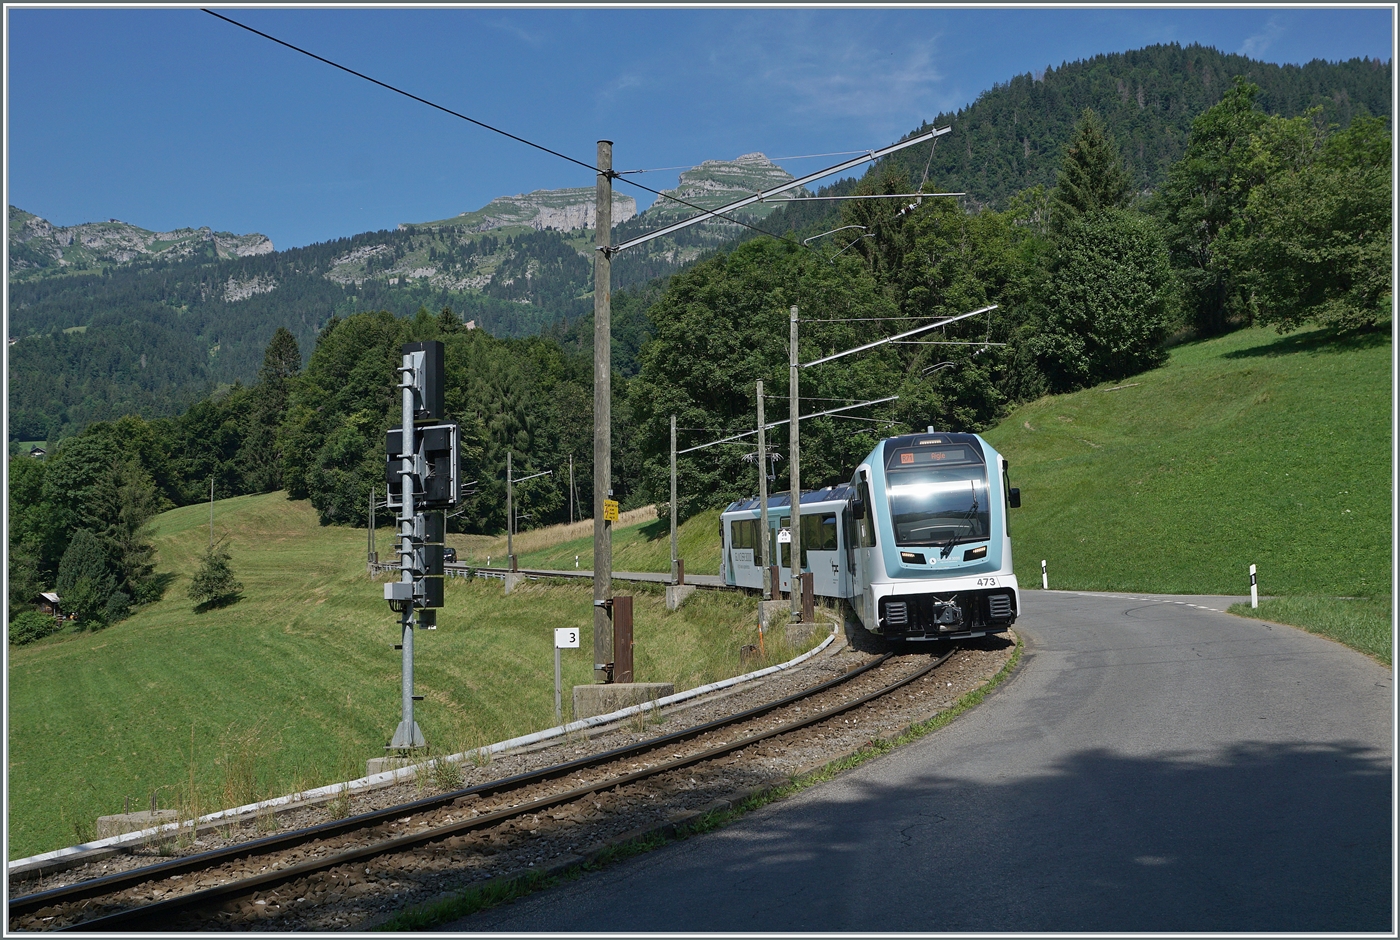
{"x":1253,"y":587}
{"x":1044,"y":578}
{"x":565,"y":638}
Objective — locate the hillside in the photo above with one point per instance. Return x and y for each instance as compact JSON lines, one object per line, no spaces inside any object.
{"x":297,"y":684}
{"x":1253,"y":448}
{"x":1010,"y":138}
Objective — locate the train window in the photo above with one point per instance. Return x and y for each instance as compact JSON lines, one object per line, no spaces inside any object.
{"x":1006,"y":491}
{"x":743,"y":533}
{"x":917,"y":457}
{"x":865,"y":526}
{"x":818,"y":534}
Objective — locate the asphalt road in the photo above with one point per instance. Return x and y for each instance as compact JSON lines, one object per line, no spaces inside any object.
{"x":1153,"y":766}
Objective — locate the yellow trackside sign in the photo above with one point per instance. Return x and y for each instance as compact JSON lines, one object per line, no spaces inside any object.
{"x":609,"y":510}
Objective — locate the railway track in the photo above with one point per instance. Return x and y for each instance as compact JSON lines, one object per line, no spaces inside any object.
{"x":211,"y":889}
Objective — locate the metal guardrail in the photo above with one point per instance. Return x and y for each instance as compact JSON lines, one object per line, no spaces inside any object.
{"x":478,"y":571}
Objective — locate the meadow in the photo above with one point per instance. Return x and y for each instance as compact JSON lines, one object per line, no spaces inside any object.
{"x":297,"y":683}
{"x":1252,"y":448}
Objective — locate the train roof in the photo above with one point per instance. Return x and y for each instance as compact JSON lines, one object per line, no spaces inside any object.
{"x":840,"y":491}
{"x":937,"y":437}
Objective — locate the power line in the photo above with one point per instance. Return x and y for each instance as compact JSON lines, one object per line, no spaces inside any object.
{"x":711,"y":212}
{"x":406,"y":94}
{"x":835,"y":153}
{"x":496,"y":130}
{"x":482,"y":124}
{"x":870,"y":196}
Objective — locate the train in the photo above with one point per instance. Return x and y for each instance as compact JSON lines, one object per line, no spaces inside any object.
{"x":918,"y":542}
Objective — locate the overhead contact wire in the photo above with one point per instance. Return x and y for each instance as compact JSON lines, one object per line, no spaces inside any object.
{"x":406,"y":94}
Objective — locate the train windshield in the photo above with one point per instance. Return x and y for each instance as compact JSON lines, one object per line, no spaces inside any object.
{"x":938,"y":494}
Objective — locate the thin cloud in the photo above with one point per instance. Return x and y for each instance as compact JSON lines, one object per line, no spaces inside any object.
{"x":1256,"y":45}
{"x":534,"y":40}
{"x":886,"y":86}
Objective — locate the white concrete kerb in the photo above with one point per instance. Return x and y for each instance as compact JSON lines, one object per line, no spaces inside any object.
{"x":393,"y":776}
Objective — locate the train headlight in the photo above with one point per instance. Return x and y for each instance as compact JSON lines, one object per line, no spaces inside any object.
{"x":973,"y":554}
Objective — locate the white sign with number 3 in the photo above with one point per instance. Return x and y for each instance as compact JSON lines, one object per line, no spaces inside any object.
{"x":566,"y":638}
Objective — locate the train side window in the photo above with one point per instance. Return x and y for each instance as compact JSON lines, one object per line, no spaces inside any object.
{"x":744,"y":533}
{"x":818,"y":534}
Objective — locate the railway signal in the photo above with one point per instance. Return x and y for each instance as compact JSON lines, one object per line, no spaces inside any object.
{"x":422,"y":457}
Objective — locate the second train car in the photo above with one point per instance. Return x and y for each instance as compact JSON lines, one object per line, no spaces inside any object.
{"x":918,"y":541}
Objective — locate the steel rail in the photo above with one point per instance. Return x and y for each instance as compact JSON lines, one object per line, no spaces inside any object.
{"x":121,"y":881}
{"x":124,"y":919}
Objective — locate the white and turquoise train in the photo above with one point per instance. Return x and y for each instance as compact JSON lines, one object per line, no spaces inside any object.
{"x":918,"y":541}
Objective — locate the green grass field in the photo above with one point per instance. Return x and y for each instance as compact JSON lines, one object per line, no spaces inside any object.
{"x":1253,"y":448}
{"x":298,"y":683}
{"x":641,"y":542}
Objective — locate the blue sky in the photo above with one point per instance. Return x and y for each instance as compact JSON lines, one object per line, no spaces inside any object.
{"x":169,"y":117}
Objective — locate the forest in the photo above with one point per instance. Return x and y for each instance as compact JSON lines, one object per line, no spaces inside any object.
{"x":1262,"y":219}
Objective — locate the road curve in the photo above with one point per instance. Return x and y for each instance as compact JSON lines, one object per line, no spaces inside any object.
{"x":1155,"y":765}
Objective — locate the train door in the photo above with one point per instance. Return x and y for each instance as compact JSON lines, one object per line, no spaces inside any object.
{"x":743,"y":537}
{"x":862,"y":540}
{"x":782,"y":552}
{"x":821,"y":554}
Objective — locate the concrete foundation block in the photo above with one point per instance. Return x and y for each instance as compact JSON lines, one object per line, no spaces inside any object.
{"x":677,"y":593}
{"x":108,"y":826}
{"x":379,"y":765}
{"x":799,"y":634}
{"x":773,"y":614}
{"x":513,"y":578}
{"x":590,"y":700}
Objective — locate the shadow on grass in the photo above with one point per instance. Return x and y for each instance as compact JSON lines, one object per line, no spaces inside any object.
{"x":218,"y":603}
{"x":158,"y":586}
{"x":1318,"y":341}
{"x":658,"y":529}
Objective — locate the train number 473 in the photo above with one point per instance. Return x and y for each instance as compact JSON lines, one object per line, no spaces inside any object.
{"x":986,"y":582}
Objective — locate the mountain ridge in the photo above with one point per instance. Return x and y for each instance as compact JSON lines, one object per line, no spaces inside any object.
{"x":37,"y":244}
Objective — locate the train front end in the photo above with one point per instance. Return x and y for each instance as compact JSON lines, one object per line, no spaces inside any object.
{"x":930,"y":542}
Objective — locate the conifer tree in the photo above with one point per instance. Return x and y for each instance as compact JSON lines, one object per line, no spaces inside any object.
{"x":214,"y":582}
{"x":1091,"y":177}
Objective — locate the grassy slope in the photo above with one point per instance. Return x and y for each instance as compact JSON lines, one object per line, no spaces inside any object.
{"x":298,"y":683}
{"x":641,"y":542}
{"x":1251,"y":448}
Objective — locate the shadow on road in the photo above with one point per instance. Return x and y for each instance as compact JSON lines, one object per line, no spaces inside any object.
{"x":1261,"y":837}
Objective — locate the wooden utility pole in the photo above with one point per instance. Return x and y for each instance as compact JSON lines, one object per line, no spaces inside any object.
{"x":571,"y":488}
{"x":794,"y":478}
{"x":770,"y":590}
{"x":510,"y":514}
{"x":674,"y":570}
{"x":211,"y":515}
{"x":602,"y":415}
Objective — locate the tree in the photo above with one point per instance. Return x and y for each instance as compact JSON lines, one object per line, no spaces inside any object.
{"x":1313,"y":242}
{"x":722,"y":325}
{"x":1091,"y":175}
{"x":1204,"y":192}
{"x":128,"y":535}
{"x":1111,"y":297}
{"x":213,"y":583}
{"x":86,"y":586}
{"x":260,"y":453}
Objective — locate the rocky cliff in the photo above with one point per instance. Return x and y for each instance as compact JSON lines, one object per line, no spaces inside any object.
{"x":715,"y":183}
{"x":562,"y":209}
{"x":38,"y":247}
